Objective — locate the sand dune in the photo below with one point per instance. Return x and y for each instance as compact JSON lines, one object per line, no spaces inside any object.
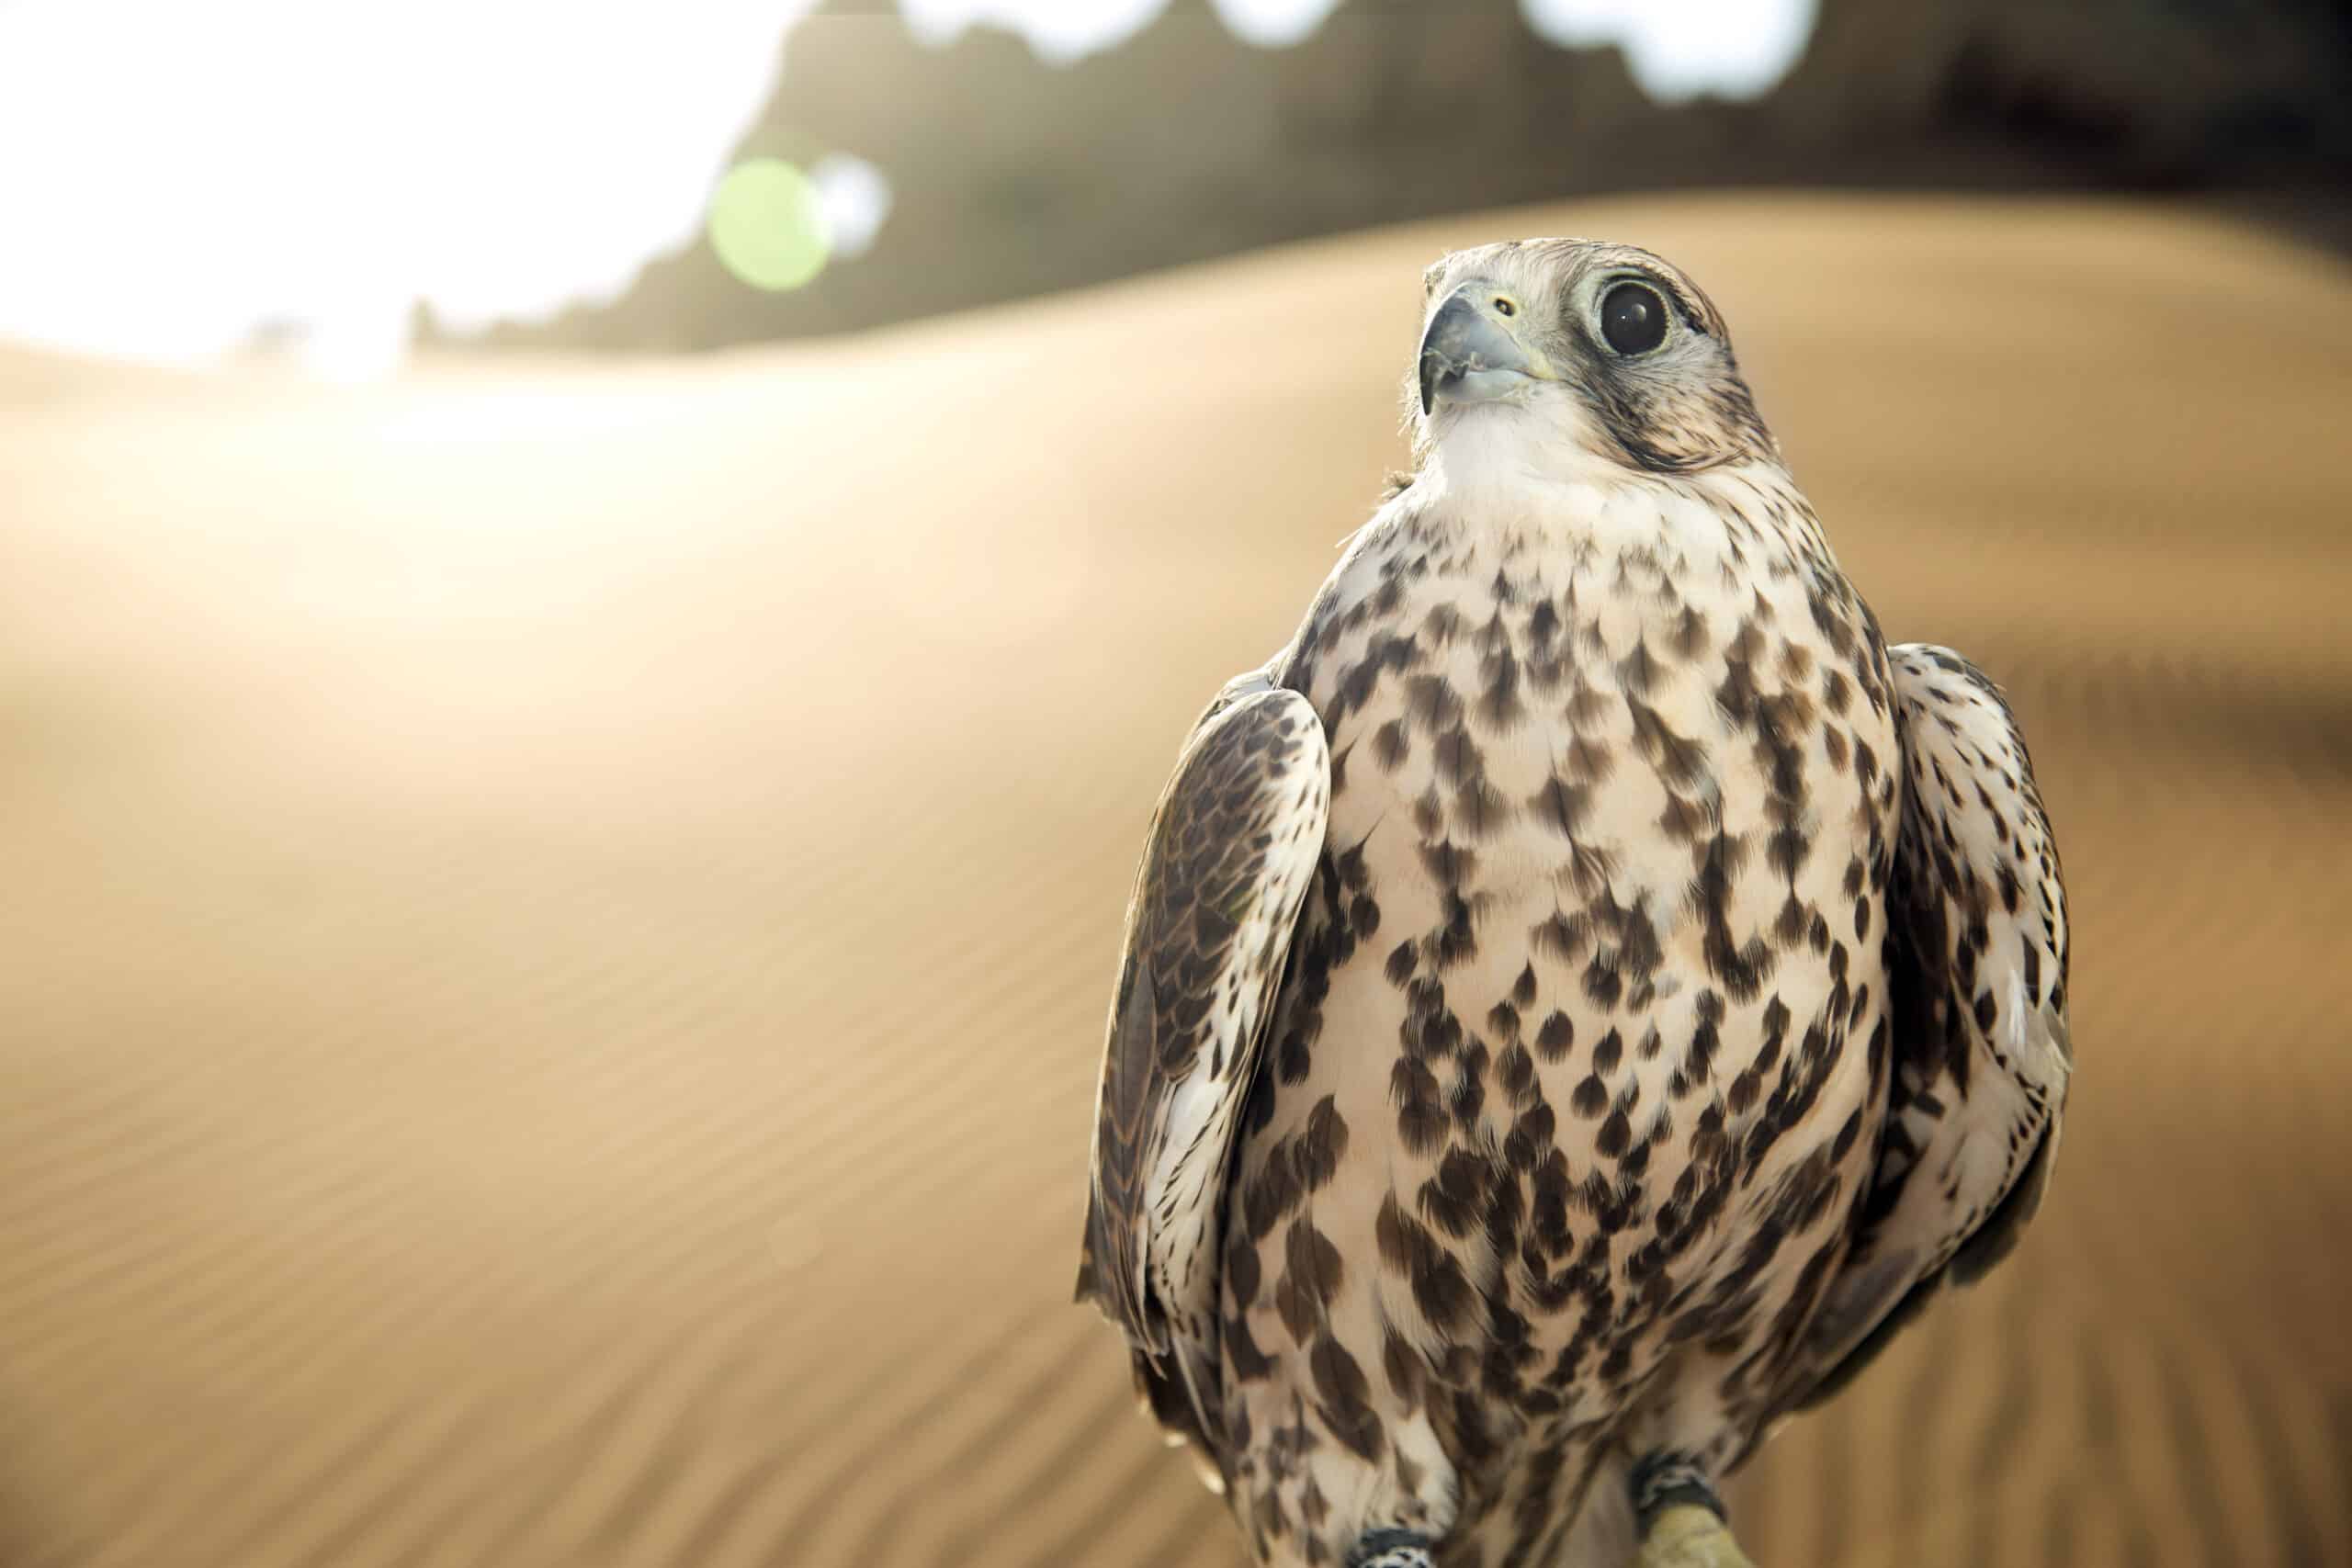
{"x":558,"y":919}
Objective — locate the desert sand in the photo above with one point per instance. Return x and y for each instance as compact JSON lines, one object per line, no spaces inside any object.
{"x":558,"y":917}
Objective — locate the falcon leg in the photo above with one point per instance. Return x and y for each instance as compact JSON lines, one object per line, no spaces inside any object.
{"x":1392,"y":1548}
{"x":1681,"y":1518}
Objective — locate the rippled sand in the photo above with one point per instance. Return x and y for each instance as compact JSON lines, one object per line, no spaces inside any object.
{"x":558,"y":920}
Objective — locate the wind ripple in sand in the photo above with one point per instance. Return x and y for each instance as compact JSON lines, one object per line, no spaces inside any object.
{"x":556,"y":961}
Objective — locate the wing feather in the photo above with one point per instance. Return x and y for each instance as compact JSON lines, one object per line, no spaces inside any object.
{"x":1976,"y":952}
{"x":1226,"y":863}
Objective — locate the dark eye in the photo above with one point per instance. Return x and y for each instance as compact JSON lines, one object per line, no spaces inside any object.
{"x":1632,"y":318}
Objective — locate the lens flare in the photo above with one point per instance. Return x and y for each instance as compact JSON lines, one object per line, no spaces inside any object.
{"x":766,"y":226}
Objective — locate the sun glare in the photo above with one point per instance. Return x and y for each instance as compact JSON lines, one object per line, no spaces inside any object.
{"x":175,"y":178}
{"x":1677,"y":49}
{"x":180,"y":181}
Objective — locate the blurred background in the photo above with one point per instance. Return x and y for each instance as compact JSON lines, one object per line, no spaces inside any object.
{"x":594,"y":601}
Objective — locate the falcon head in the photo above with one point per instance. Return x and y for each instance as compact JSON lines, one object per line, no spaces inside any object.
{"x":1586,"y":349}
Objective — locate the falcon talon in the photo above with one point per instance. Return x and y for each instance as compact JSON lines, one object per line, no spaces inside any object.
{"x":1689,"y":1535}
{"x":1696,"y":1013}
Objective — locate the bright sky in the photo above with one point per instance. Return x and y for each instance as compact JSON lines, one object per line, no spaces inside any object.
{"x":174,"y":175}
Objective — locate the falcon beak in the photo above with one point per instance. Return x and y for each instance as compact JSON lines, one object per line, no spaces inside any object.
{"x":1471,"y":351}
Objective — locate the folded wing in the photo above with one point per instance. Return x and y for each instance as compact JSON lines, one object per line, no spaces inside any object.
{"x":1980,"y":1053}
{"x":1231,"y":850}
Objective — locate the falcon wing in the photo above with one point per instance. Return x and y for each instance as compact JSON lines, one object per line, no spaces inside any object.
{"x":1977,"y":961}
{"x":1231,"y":850}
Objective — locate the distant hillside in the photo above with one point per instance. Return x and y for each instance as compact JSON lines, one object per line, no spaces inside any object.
{"x":1012,"y":177}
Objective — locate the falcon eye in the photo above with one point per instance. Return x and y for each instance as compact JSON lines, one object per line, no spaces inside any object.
{"x":1632,"y":318}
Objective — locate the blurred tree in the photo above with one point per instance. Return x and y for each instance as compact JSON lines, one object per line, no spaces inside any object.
{"x":1010,"y":176}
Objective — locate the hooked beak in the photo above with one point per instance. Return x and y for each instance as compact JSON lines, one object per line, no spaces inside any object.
{"x":1470,"y":352}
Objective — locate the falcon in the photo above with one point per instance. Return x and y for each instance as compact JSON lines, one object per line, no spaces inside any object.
{"x":1586,"y":992}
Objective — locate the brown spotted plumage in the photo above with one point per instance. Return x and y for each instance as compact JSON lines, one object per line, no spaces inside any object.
{"x":1584,"y":991}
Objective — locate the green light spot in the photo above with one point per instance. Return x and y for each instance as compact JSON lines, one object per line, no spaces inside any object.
{"x":763,"y":225}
